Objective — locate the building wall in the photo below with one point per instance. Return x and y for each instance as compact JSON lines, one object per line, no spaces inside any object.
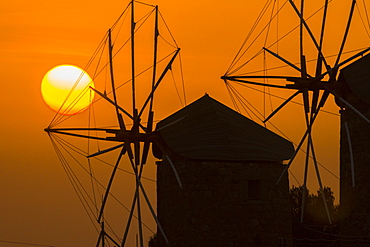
{"x":223,"y":204}
{"x":355,"y":202}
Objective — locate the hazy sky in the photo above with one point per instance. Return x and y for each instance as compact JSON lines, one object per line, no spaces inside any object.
{"x":38,"y":204}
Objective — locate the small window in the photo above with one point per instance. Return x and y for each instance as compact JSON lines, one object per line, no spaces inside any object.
{"x":254,"y":190}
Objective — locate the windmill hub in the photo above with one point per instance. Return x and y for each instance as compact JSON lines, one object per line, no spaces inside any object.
{"x":311,"y":84}
{"x":120,"y":135}
{"x":131,"y":136}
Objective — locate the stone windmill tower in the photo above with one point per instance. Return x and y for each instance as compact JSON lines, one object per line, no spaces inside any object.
{"x":228,"y":167}
{"x":355,"y":149}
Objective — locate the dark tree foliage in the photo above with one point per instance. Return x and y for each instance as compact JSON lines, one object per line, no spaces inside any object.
{"x":315,"y":227}
{"x":153,"y":241}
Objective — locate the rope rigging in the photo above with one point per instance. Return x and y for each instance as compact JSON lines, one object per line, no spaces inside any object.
{"x":60,"y":117}
{"x":236,"y":96}
{"x":24,"y":243}
{"x":362,"y":19}
{"x":232,"y":69}
{"x":78,"y":186}
{"x":240,"y":54}
{"x":235,"y":60}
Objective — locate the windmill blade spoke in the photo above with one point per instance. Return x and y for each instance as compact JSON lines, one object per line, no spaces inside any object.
{"x":111,"y":239}
{"x":147,"y":143}
{"x":291,"y":159}
{"x":119,"y":116}
{"x":121,"y":122}
{"x":306,"y":103}
{"x":149,"y":127}
{"x":134,"y":165}
{"x":156,"y":34}
{"x":135,"y":130}
{"x":319,"y":55}
{"x":305,"y":175}
{"x":139,"y":185}
{"x":140,"y":221}
{"x":242,"y":79}
{"x":151,"y":95}
{"x":133,"y":25}
{"x":60,"y":131}
{"x":304,"y":67}
{"x":103,"y":234}
{"x":145,"y":153}
{"x":304,"y":196}
{"x":318,"y":67}
{"x":152,"y":210}
{"x":107,"y":191}
{"x":303,"y":63}
{"x":137,"y":153}
{"x":171,"y":164}
{"x":323,"y":99}
{"x":349,"y":105}
{"x":350,"y":154}
{"x":309,"y":32}
{"x":361,"y":53}
{"x":297,"y":148}
{"x":172,"y":123}
{"x":129,"y":218}
{"x":288,"y":78}
{"x":315,"y":99}
{"x":174,"y":171}
{"x":283,"y":59}
{"x":119,"y":107}
{"x":346,"y":32}
{"x":129,"y":150}
{"x":105,"y":151}
{"x":104,"y":96}
{"x":323,"y":23}
{"x":134,"y":202}
{"x":99,"y":239}
{"x":305,"y":181}
{"x":281,"y":106}
{"x":310,"y":147}
{"x":319,"y":179}
{"x":346,"y":61}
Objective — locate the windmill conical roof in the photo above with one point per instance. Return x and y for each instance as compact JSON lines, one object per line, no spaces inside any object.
{"x":357,"y":76}
{"x":209,"y":130}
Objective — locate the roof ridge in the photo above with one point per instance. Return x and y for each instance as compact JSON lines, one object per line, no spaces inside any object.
{"x":208,"y":129}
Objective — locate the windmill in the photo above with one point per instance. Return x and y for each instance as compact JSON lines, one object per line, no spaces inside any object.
{"x":273,"y":59}
{"x":134,"y":134}
{"x":354,"y":150}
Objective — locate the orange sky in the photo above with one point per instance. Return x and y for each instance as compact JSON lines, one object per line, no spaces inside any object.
{"x":38,"y":204}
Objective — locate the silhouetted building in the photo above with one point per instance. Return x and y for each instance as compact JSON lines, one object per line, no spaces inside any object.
{"x":228,"y":166}
{"x":355,"y":146}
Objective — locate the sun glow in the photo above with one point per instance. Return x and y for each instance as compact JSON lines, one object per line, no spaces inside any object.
{"x":65,"y":89}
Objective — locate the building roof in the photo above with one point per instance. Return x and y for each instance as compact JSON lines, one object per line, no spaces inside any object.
{"x":357,"y":76}
{"x":209,"y":130}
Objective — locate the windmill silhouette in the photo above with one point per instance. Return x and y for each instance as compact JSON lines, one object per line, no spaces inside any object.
{"x":134,"y":134}
{"x":354,"y":156}
{"x":314,"y":87}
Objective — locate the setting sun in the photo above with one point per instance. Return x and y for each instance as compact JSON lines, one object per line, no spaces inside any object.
{"x":65,"y":89}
